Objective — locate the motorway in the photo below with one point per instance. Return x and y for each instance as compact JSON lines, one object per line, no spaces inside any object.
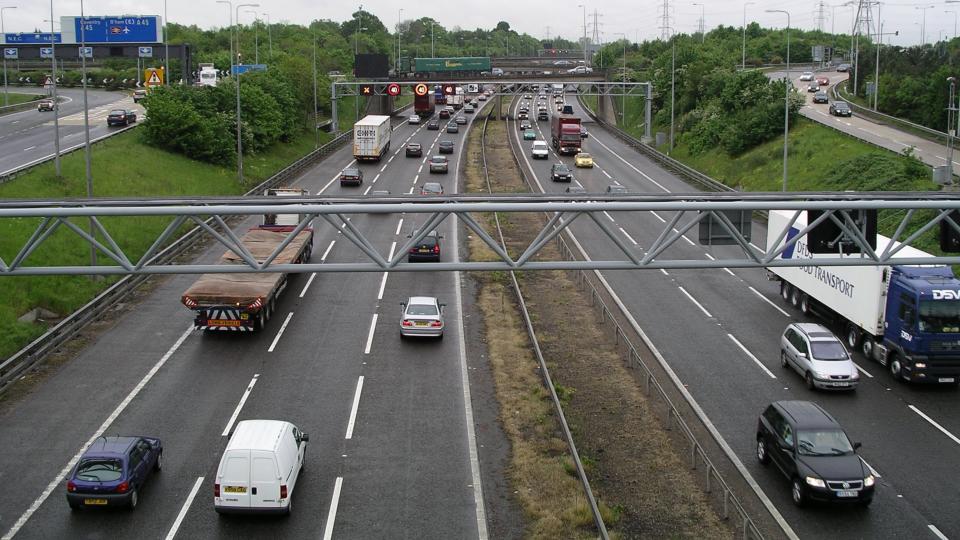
{"x":28,"y":136}
{"x":392,"y":450}
{"x":719,"y":331}
{"x":882,"y":135}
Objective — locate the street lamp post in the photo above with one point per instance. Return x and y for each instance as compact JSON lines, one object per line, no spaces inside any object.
{"x":623,"y":95}
{"x":923,"y":25}
{"x":166,"y":49}
{"x":433,"y":53}
{"x":743,"y":62}
{"x":56,"y":104}
{"x":316,"y":127}
{"x":703,"y":24}
{"x":6,"y":99}
{"x":673,"y":84}
{"x":954,"y":22}
{"x":230,"y":35}
{"x":399,"y":20}
{"x":356,"y":35}
{"x":584,"y":6}
{"x":86,"y":127}
{"x":256,"y":36}
{"x":786,"y":99}
{"x":950,"y":135}
{"x":239,"y":139}
{"x":876,"y":75}
{"x":269,"y":37}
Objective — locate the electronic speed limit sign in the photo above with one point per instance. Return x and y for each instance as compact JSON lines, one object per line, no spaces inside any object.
{"x":420,"y":89}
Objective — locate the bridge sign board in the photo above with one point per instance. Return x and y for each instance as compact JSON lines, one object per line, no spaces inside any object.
{"x":30,"y":38}
{"x":113,"y":30}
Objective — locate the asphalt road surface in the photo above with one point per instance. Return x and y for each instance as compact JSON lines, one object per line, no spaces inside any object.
{"x":28,"y":136}
{"x":392,"y":449}
{"x":719,"y":330}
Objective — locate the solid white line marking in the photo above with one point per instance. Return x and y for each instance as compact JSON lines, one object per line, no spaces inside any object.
{"x":664,"y":272}
{"x":353,"y":409}
{"x":654,"y":182}
{"x":280,"y":333}
{"x":393,"y":246}
{"x":368,"y":189}
{"x":327,"y":252}
{"x":183,"y":510}
{"x":937,"y":532}
{"x":752,"y":357}
{"x":399,"y":224}
{"x":608,"y":216}
{"x":28,"y":149}
{"x":865,"y":372}
{"x":383,"y":284}
{"x":694,"y":300}
{"x":934,"y":424}
{"x":307,"y":286}
{"x":658,"y":217}
{"x":767,"y":300}
{"x":332,"y":514}
{"x":630,"y":238}
{"x":373,"y":326}
{"x":243,"y":399}
{"x":55,"y":483}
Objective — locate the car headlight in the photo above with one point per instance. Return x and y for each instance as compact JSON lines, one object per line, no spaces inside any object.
{"x":819,"y":375}
{"x":816,"y":482}
{"x":869,"y":481}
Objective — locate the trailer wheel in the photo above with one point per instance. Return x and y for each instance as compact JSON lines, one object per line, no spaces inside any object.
{"x":260,"y":322}
{"x":853,"y":335}
{"x":785,"y":289}
{"x":805,"y":304}
{"x":795,"y":295}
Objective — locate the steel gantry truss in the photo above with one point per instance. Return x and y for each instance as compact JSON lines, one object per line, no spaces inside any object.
{"x":503,"y":87}
{"x":918,"y":213}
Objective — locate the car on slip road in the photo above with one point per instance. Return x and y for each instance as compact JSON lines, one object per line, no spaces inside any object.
{"x":121,"y":117}
{"x":823,"y":81}
{"x":840,"y":108}
{"x":529,"y":135}
{"x":821,"y":97}
{"x":45,"y":105}
{"x":452,"y":127}
{"x":422,"y":316}
{"x":813,"y":451}
{"x":112,"y":471}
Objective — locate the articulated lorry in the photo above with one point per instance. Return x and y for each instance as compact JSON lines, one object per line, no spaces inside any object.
{"x":371,"y":137}
{"x":245,"y":302}
{"x":565,"y":133}
{"x":907,"y":318}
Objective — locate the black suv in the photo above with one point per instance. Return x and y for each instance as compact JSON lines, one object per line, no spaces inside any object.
{"x":812,"y":450}
{"x":559,"y":172}
{"x":840,"y":108}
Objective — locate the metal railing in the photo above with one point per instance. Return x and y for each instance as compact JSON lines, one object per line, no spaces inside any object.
{"x":34,"y":353}
{"x":20,"y":106}
{"x":545,"y":372}
{"x":728,"y":499}
{"x":914,"y":129}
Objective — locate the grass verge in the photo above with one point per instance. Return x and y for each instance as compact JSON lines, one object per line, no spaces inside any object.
{"x":643,"y":488}
{"x":16,"y":99}
{"x":122,"y":167}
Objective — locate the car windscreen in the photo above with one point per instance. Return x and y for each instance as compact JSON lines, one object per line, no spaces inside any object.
{"x":422,"y":309}
{"x":119,"y":112}
{"x":828,"y":350}
{"x":351,"y":172}
{"x":940,"y":316}
{"x":823,"y":442}
{"x":583,"y":155}
{"x":100,"y":470}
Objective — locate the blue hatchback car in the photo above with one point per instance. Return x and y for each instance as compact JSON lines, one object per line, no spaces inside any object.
{"x":112,"y":471}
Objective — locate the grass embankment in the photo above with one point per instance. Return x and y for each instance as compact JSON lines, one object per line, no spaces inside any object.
{"x":15,"y":99}
{"x":642,"y":486}
{"x":122,"y":167}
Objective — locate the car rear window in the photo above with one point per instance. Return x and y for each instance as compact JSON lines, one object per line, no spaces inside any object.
{"x":438,"y":159}
{"x":118,"y":111}
{"x":422,"y":309}
{"x":414,"y":145}
{"x":100,"y":470}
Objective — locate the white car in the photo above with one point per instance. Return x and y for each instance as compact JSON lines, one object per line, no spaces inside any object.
{"x":807,"y":76}
{"x":562,"y":63}
{"x":422,"y":317}
{"x":539,"y":150}
{"x":580,"y":70}
{"x":414,"y":119}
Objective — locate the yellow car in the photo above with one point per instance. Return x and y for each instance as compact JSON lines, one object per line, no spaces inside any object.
{"x":583,"y":159}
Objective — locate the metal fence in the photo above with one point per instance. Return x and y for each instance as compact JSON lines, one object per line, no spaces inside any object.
{"x":12,"y":368}
{"x":881,"y":118}
{"x":728,"y":502}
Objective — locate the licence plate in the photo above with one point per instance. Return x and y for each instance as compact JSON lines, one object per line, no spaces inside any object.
{"x":235,"y":489}
{"x":847,"y":493}
{"x":426,"y":250}
{"x":213,"y":322}
{"x":946,"y":379}
{"x":841,"y":384}
{"x":98,"y":502}
{"x":420,"y":323}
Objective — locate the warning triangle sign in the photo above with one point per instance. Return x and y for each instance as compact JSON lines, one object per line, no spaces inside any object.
{"x":48,"y":81}
{"x":154,"y":78}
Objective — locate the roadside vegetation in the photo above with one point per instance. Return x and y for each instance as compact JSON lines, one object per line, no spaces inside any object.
{"x":16,"y":98}
{"x":619,"y":439}
{"x":123,"y":166}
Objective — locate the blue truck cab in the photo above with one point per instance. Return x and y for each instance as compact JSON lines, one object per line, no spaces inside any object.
{"x":921,"y":334}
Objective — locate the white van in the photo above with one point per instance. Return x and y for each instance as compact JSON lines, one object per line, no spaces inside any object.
{"x":260,"y":467}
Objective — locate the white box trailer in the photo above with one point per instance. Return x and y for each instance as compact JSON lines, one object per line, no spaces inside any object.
{"x":371,"y":137}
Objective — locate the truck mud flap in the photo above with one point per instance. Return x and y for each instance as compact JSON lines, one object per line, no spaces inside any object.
{"x":228,"y":320}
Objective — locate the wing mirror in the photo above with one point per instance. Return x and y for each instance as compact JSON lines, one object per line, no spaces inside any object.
{"x":857,"y":445}
{"x":304,"y":437}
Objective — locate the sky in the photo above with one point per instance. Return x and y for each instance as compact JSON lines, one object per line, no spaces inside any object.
{"x":637,"y":19}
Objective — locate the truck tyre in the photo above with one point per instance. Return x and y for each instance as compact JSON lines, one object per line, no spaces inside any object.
{"x":853,"y":335}
{"x":260,"y":322}
{"x":866,"y":347}
{"x":896,"y":367}
{"x":795,"y":295}
{"x":785,"y":289}
{"x":805,"y":304}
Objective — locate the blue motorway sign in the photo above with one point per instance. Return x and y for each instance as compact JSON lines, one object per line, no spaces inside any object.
{"x":46,"y":52}
{"x":34,"y":38}
{"x":9,"y":54}
{"x":85,"y":52}
{"x":133,"y":29}
{"x":145,"y":52}
{"x":243,"y":68}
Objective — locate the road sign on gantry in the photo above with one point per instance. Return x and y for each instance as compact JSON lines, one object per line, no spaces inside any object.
{"x":421,"y":89}
{"x":153,"y":77}
{"x":393,"y":89}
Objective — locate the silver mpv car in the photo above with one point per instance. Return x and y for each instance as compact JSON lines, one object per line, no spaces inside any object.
{"x":818,"y":356}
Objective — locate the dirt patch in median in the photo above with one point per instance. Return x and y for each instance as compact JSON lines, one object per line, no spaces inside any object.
{"x":641,"y":479}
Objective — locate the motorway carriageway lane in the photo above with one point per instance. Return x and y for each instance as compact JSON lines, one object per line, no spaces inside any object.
{"x":669,"y":329}
{"x":64,"y":377}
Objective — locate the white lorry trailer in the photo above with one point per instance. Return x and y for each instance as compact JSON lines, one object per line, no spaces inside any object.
{"x":371,"y":137}
{"x":907,"y":318}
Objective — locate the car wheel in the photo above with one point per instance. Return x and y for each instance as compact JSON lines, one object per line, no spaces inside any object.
{"x":159,"y":464}
{"x":808,"y":378}
{"x":796,"y":491}
{"x":783,"y":358}
{"x":762,"y":455}
{"x":134,"y":499}
{"x":896,"y":368}
{"x":785,"y":289}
